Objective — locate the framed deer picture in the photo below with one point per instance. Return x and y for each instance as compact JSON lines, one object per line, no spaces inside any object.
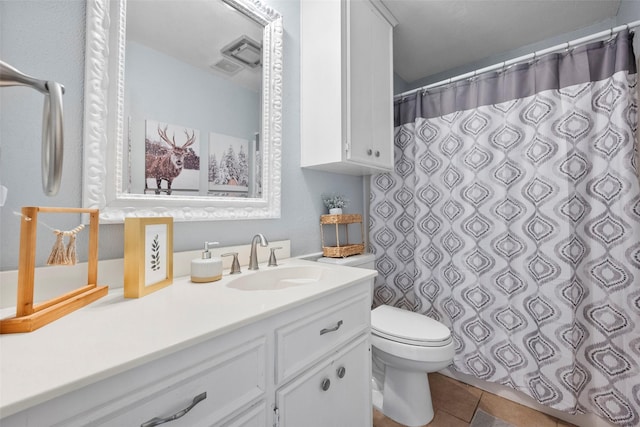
{"x":148,"y":255}
{"x":172,"y":160}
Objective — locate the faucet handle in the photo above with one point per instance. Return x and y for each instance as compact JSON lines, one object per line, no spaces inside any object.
{"x":273,"y":262}
{"x":235,"y":264}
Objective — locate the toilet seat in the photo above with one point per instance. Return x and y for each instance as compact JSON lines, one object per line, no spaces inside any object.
{"x":407,"y":327}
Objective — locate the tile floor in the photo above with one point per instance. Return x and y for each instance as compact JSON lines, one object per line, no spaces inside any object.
{"x":455,"y":403}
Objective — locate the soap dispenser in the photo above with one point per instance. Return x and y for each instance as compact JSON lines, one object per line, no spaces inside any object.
{"x":207,"y":268}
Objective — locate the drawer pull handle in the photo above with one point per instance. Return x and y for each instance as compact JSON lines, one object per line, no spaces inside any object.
{"x":335,"y":328}
{"x":341,"y":371}
{"x":325,"y":384}
{"x":157,"y":421}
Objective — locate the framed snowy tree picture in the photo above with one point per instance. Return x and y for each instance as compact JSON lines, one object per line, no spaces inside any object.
{"x":229,"y":171}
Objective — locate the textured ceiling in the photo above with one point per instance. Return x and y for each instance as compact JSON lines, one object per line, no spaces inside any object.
{"x":438,"y":35}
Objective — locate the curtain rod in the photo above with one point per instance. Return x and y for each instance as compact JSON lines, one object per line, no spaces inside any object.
{"x":562,"y":46}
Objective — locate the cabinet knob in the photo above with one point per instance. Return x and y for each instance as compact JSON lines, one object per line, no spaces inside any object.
{"x":325,"y":384}
{"x":377,"y":153}
{"x":369,"y":152}
{"x":341,"y":372}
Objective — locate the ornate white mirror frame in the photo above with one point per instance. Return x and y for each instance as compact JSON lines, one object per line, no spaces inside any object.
{"x":103,"y":126}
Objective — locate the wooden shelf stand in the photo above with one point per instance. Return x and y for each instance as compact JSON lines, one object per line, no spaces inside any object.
{"x":30,"y":316}
{"x":346,"y":249}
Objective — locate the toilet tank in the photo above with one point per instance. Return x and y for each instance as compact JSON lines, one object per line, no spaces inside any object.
{"x":361,"y":261}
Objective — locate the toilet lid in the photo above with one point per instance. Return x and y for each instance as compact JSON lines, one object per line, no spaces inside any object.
{"x":408,"y":327}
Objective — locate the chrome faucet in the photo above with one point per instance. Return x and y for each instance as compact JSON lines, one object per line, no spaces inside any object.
{"x":253,"y":257}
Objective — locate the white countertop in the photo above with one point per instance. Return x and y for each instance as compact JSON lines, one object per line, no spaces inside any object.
{"x":115,"y":334}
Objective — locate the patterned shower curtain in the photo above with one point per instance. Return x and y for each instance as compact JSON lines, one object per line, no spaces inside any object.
{"x":513,"y":217}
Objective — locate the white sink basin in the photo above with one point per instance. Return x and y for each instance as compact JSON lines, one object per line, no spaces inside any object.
{"x":275,"y":278}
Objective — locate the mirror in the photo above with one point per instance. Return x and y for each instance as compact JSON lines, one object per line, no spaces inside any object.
{"x":190,"y":133}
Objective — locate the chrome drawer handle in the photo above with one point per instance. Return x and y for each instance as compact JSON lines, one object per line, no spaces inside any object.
{"x":335,"y":328}
{"x":157,"y":421}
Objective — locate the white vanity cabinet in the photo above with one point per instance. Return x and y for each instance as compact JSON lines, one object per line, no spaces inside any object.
{"x":323,"y":366}
{"x":220,"y":379}
{"x":334,"y":387}
{"x":346,"y":73}
{"x":268,"y":371}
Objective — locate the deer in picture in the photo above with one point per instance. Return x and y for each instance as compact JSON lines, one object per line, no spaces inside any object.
{"x":168,"y":165}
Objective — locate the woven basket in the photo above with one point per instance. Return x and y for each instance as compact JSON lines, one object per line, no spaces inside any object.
{"x":342,"y":251}
{"x":341,"y":219}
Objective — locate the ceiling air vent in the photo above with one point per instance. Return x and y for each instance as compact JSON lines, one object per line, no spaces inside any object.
{"x":245,"y":50}
{"x":227,"y":67}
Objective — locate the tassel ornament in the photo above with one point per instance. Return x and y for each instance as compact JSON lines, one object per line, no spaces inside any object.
{"x":61,"y":255}
{"x":58,"y":254}
{"x":71,"y":254}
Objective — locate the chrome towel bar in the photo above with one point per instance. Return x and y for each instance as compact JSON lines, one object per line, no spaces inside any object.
{"x":52,"y":124}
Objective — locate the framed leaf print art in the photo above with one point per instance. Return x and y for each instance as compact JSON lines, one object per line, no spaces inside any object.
{"x":148,"y":255}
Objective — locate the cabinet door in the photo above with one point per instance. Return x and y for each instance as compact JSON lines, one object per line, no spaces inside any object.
{"x":370,"y":86}
{"x":333,"y":393}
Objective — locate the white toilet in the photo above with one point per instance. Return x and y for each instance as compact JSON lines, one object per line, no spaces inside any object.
{"x":406,"y":345}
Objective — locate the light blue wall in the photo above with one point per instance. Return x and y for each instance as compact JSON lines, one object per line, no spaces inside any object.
{"x":160,"y":87}
{"x":197,"y":100}
{"x":45,"y":38}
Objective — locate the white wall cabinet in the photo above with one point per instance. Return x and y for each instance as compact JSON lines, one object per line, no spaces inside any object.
{"x":346,"y":73}
{"x":253,"y":376}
